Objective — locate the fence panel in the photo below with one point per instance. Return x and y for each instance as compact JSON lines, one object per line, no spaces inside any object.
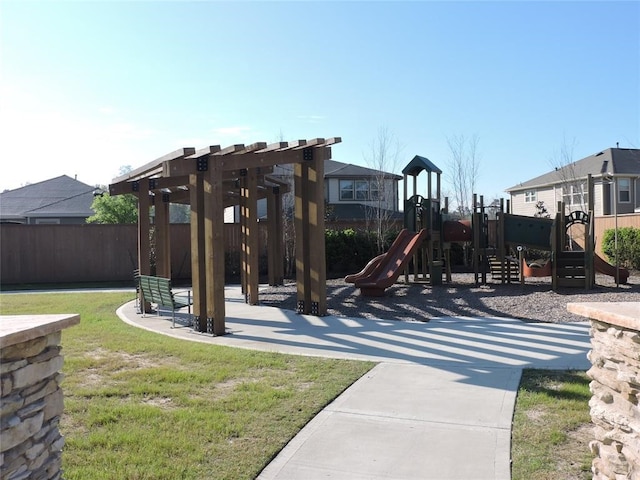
{"x":609,"y":222}
{"x":67,"y":253}
{"x":91,"y":252}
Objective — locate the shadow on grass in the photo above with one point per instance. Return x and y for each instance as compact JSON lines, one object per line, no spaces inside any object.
{"x":549,"y":382}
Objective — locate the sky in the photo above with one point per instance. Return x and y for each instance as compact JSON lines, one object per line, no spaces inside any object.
{"x":89,"y":87}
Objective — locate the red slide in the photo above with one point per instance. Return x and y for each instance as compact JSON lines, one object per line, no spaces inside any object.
{"x":368,"y":268}
{"x":602,"y":266}
{"x":385,"y":272}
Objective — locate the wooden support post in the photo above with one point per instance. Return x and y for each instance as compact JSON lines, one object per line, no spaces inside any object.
{"x":162,"y":235}
{"x":144,"y":231}
{"x":279,"y":239}
{"x":589,"y":234}
{"x":198,"y":271}
{"x":250,"y":234}
{"x":214,"y":247}
{"x":301,"y":225}
{"x":275,"y":262}
{"x":242,"y":205}
{"x":405,"y":187}
{"x":316,"y":239}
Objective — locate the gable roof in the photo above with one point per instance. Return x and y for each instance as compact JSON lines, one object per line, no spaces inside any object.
{"x":61,"y":196}
{"x":617,"y":161}
{"x":417,"y":164}
{"x":335,"y":169}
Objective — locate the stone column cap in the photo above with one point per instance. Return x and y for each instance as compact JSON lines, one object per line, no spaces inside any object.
{"x":22,"y":328}
{"x":620,"y":314}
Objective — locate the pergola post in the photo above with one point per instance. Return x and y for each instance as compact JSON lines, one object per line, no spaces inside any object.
{"x":162,"y":235}
{"x":309,"y":226}
{"x":198,"y":271}
{"x":317,"y":258}
{"x":301,"y":227}
{"x":250,"y":234}
{"x":275,"y":264}
{"x":144,"y":229}
{"x":242,"y":204}
{"x":214,"y":247}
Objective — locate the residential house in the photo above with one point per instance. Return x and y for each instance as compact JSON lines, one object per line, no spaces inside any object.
{"x":351,"y":192}
{"x":616,"y":178}
{"x":60,"y":200}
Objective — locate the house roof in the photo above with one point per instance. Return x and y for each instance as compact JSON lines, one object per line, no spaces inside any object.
{"x":616,"y":161}
{"x":417,"y":164}
{"x":335,"y":169}
{"x":61,"y":196}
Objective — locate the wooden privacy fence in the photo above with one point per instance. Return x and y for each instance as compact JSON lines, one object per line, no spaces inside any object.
{"x":91,"y":252}
{"x":108,"y":253}
{"x":609,"y":223}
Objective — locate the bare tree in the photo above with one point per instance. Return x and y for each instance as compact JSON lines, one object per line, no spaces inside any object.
{"x":574,"y":188}
{"x":284,"y":173}
{"x":383,"y":157}
{"x":464,"y":166}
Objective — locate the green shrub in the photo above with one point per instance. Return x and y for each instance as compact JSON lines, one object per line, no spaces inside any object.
{"x":628,"y":247}
{"x":348,"y":251}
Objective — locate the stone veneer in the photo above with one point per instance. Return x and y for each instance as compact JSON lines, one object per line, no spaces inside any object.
{"x":31,"y":400}
{"x":615,"y":385}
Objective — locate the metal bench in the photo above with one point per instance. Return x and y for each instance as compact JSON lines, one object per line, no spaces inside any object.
{"x":158,"y":290}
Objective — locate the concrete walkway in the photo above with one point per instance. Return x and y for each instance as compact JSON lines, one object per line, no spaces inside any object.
{"x":438,"y":405}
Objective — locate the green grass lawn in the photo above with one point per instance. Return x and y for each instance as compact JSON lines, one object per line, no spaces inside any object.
{"x":552,"y":427}
{"x":139,"y":405}
{"x":144,"y":406}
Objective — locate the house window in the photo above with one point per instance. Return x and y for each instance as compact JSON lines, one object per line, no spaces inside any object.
{"x":624,"y":190}
{"x":346,"y":190}
{"x":574,"y":194}
{"x":47,"y":221}
{"x":360,"y":190}
{"x":530,"y":196}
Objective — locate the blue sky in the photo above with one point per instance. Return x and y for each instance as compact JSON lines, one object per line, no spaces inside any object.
{"x":88,"y":87}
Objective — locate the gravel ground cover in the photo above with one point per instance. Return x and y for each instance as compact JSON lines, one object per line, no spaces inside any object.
{"x":535,"y":301}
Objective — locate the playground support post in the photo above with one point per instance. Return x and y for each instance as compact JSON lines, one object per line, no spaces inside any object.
{"x":615,"y":231}
{"x":611,"y":180}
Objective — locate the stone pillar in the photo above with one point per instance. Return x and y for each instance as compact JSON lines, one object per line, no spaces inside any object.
{"x":615,"y":375}
{"x":31,"y":398}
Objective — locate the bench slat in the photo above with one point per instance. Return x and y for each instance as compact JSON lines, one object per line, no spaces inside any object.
{"x":158,"y":290}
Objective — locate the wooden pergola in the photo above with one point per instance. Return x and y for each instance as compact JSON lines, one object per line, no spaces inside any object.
{"x":211,"y":179}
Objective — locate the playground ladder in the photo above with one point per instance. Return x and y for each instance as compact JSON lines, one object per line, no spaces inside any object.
{"x":570,"y":269}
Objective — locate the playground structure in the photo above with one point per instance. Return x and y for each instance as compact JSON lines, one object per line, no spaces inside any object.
{"x":211,"y":179}
{"x":424,"y":246}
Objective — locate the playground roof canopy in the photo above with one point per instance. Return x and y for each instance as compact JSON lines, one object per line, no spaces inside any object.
{"x":418,"y":164}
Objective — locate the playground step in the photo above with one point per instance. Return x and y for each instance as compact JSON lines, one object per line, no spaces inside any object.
{"x":511,"y":270}
{"x":571,"y":282}
{"x":570,"y":269}
{"x":575,"y":272}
